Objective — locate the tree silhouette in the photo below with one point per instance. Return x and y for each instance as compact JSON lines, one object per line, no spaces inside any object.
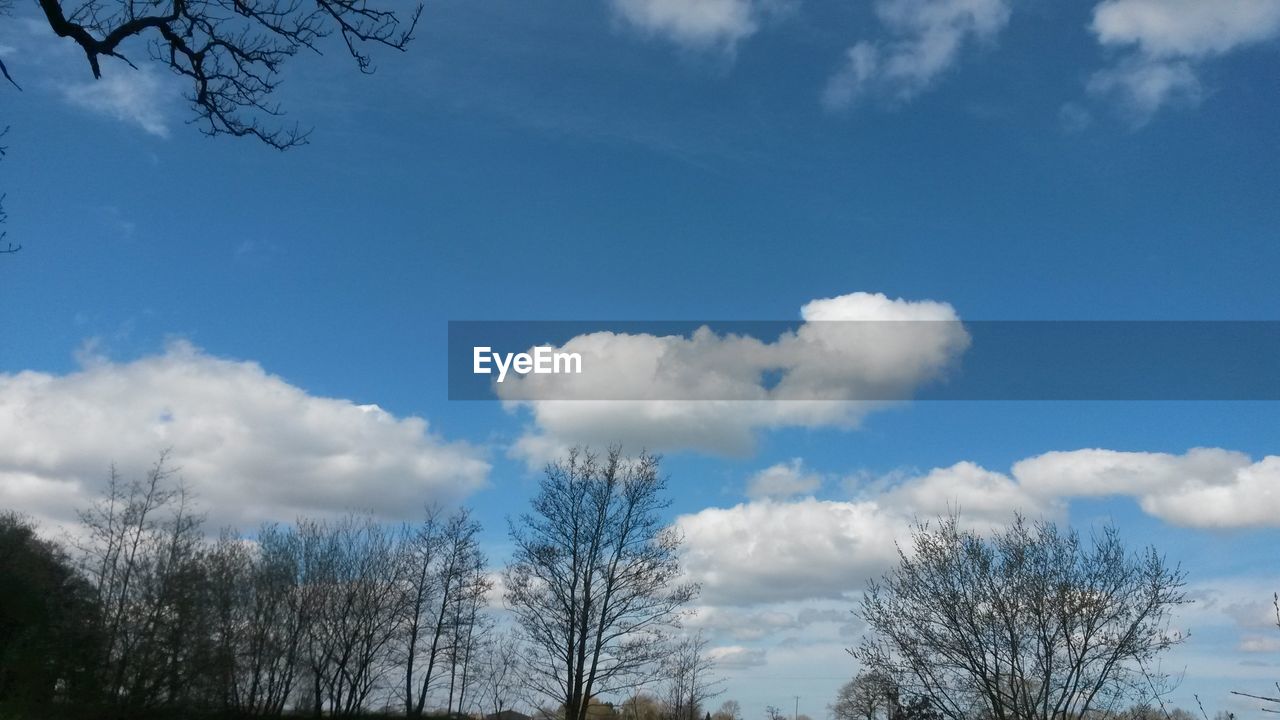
{"x":229,"y":51}
{"x":1030,"y":623}
{"x":594,"y":581}
{"x":47,"y":639}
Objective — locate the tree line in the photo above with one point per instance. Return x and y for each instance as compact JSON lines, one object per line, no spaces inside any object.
{"x":145,"y":613}
{"x":326,"y":615}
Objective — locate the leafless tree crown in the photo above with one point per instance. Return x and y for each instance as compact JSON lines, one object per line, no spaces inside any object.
{"x":1029,"y":623}
{"x":594,"y":581}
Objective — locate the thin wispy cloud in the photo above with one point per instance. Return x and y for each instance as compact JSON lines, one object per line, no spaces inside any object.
{"x":144,"y":97}
{"x":921,"y":41}
{"x":698,"y":24}
{"x":135,"y":97}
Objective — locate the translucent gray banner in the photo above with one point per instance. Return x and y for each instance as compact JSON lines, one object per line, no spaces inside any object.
{"x":863,"y":361}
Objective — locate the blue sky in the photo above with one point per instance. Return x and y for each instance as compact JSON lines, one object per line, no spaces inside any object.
{"x":650,"y":159}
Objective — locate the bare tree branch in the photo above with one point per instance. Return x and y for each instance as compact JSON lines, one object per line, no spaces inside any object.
{"x":230,"y":51}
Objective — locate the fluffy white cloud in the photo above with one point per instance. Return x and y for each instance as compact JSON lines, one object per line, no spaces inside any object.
{"x":1186,"y":28}
{"x":1205,"y":488}
{"x":782,"y":481}
{"x":975,"y":492}
{"x":1166,"y":39}
{"x":695,"y":23}
{"x":709,"y":392}
{"x":924,"y":39}
{"x":251,"y":446}
{"x":768,"y":551}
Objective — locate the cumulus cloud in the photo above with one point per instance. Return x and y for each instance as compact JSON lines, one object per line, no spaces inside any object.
{"x":692,"y":23}
{"x":711,"y":392}
{"x":783,"y":480}
{"x":1163,"y":41}
{"x":251,"y":446}
{"x":770,"y":551}
{"x":979,"y":494}
{"x":924,"y":39}
{"x":1204,"y":488}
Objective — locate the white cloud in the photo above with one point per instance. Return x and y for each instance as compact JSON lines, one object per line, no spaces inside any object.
{"x":977,"y":493}
{"x":137,"y":97}
{"x":1186,"y":28}
{"x":770,"y":551}
{"x":708,"y":392}
{"x":1204,"y":488}
{"x":924,"y":39}
{"x":782,"y":481}
{"x":251,"y":446}
{"x":1165,"y":41}
{"x":692,"y":23}
{"x":767,"y":551}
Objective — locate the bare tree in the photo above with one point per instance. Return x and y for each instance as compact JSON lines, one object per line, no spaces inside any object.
{"x":469,"y":629}
{"x":729,"y":710}
{"x":869,"y":696}
{"x":1028,"y":624}
{"x":501,"y":681}
{"x":642,"y":706}
{"x":1269,"y":699}
{"x":444,"y":574}
{"x":593,"y":579}
{"x":691,"y":678}
{"x":254,"y":596}
{"x":352,"y":581}
{"x":142,"y":553}
{"x":4,"y":217}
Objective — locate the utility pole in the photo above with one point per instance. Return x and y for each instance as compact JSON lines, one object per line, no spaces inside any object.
{"x":796,"y":716}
